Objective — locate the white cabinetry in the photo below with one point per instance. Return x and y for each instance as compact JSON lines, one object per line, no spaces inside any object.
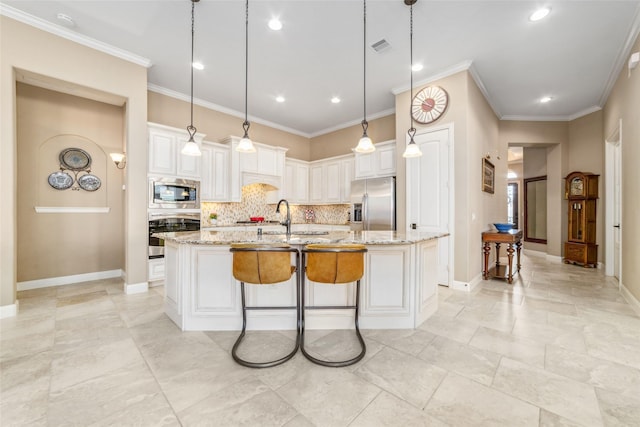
{"x":214,"y":185}
{"x":296,"y":181}
{"x":265,"y":166}
{"x":381,"y":162}
{"x":165,"y":158}
{"x":330,"y":180}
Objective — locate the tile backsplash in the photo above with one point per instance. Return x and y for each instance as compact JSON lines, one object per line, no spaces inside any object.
{"x":254,"y":203}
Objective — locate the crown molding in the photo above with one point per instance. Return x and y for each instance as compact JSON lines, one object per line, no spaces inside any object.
{"x":621,"y":59}
{"x":345,"y":125}
{"x":65,"y":33}
{"x":455,"y":69}
{"x":566,"y":118}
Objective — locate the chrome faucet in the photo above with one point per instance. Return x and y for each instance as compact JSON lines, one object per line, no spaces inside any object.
{"x":286,"y":222}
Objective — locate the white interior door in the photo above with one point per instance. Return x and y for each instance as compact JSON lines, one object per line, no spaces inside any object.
{"x":617,"y":201}
{"x":428,"y":195}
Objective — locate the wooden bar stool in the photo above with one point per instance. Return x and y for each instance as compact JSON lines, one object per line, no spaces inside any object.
{"x":333,"y":264}
{"x":264,"y":264}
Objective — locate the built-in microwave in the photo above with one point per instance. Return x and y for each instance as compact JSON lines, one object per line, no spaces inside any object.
{"x":173,"y":193}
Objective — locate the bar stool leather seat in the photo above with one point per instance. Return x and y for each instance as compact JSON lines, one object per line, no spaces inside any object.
{"x":264,"y":264}
{"x":337,"y":264}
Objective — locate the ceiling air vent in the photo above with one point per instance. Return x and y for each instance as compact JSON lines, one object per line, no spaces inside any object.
{"x":381,"y":45}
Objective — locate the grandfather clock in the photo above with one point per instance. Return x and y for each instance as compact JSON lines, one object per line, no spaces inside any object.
{"x":581,"y":190}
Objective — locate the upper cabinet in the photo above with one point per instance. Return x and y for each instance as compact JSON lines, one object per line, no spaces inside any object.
{"x":214,"y":184}
{"x":165,"y":158}
{"x":296,"y":181}
{"x":381,"y":162}
{"x":330,"y":180}
{"x":265,"y":166}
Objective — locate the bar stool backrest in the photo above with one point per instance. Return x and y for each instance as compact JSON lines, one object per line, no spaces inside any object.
{"x":335,"y":264}
{"x":262,"y":264}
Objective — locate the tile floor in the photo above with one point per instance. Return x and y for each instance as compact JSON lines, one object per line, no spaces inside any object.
{"x":560,"y":347}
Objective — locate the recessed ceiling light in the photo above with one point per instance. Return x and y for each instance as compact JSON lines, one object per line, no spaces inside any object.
{"x":279,"y":98}
{"x":198,"y":65}
{"x":66,"y":20}
{"x":275,"y":24}
{"x":416,"y":67}
{"x":539,"y":14}
{"x":335,"y":100}
{"x":545,"y":99}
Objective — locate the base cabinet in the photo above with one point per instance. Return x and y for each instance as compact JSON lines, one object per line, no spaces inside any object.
{"x":398,"y":291}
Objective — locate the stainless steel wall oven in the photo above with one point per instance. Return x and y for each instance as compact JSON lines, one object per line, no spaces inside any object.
{"x":169,"y":222}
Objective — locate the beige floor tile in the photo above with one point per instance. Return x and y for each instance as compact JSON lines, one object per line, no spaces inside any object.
{"x":405,"y":376}
{"x":462,"y":402}
{"x":456,"y":329}
{"x":388,"y":410}
{"x":519,"y":348}
{"x":410,"y":341}
{"x":570,"y":399}
{"x":121,"y":396}
{"x":616,"y":343}
{"x":329,"y":396}
{"x":248,"y":403}
{"x":549,"y":419}
{"x":471,"y":362}
{"x":618,"y":410}
{"x":561,"y":336}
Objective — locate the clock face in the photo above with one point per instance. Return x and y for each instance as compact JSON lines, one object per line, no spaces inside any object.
{"x":577,"y":187}
{"x":429,"y":104}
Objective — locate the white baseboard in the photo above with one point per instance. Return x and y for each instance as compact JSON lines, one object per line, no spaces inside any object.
{"x":467,"y":286}
{"x":632,"y":300}
{"x":67,"y":280}
{"x":530,"y":252}
{"x":136,"y":288}
{"x":554,"y":258}
{"x":10,"y":310}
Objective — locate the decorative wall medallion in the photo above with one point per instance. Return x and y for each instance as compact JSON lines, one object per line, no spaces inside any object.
{"x":75,"y":159}
{"x":89,"y":182}
{"x":60,"y":180}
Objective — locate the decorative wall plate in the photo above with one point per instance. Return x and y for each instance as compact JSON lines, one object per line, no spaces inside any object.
{"x":60,"y":180}
{"x":89,"y":182}
{"x":75,"y":159}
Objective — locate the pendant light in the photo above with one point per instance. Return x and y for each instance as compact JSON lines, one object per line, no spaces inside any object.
{"x":365,"y":145}
{"x":245,"y":145}
{"x":412,"y":149}
{"x":191,"y":147}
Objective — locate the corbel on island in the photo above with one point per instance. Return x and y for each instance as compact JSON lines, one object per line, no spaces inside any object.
{"x":398,"y":289}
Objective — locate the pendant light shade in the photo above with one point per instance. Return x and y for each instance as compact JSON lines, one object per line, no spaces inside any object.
{"x":191,"y":147}
{"x":245,"y":145}
{"x":365,"y":145}
{"x":412,"y":149}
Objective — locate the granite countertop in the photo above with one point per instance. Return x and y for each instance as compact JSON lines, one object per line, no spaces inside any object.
{"x":205,"y":237}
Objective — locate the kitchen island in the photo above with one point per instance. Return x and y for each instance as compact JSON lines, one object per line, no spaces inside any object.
{"x":398,"y":289}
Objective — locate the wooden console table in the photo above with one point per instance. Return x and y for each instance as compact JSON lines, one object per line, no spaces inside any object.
{"x":513,"y":240}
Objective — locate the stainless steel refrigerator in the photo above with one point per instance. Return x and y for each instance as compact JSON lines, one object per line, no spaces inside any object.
{"x":373,"y":204}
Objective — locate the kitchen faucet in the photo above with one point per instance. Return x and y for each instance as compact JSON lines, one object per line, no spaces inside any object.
{"x":287,"y":222}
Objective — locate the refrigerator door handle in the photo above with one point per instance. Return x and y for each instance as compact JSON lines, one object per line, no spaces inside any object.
{"x":365,"y":212}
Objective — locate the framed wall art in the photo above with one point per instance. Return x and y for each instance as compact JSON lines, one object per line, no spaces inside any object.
{"x":488,"y":176}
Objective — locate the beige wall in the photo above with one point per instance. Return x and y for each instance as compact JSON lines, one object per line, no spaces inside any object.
{"x":55,"y":245}
{"x":23,"y":47}
{"x":586,"y":154}
{"x":624,"y":104}
{"x":342,"y":141}
{"x":216,"y":126}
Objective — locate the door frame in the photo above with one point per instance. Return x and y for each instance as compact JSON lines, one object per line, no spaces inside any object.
{"x":451,"y":186}
{"x":612,"y":144}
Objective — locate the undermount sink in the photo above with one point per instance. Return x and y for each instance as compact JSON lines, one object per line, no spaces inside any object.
{"x":297,"y":233}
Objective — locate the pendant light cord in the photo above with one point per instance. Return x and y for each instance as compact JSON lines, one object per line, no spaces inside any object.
{"x":191,"y":129}
{"x":245,"y":125}
{"x":412,"y":130}
{"x":364,"y":62}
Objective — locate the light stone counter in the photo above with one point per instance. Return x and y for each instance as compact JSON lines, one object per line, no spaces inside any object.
{"x":398,"y":289}
{"x":205,"y":237}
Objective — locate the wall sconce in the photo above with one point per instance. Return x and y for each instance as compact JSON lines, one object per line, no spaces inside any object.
{"x":119,"y":159}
